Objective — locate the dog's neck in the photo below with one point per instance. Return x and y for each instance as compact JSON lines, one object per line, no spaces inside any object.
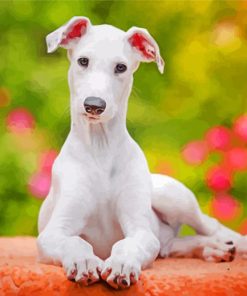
{"x":101,"y":134}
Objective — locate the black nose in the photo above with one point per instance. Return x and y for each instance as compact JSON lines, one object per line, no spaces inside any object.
{"x":94,"y":105}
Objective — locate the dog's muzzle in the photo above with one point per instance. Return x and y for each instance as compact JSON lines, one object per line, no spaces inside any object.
{"x":94,"y":105}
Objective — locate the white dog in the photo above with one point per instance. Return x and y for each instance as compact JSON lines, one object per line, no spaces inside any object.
{"x":106,"y":215}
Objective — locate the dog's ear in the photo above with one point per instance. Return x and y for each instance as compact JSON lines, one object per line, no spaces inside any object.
{"x":145,"y":47}
{"x":67,"y":35}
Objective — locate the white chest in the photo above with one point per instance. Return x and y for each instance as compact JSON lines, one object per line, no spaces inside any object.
{"x":103,"y":230}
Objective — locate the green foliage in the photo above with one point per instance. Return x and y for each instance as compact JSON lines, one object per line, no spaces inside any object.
{"x":204,"y":84}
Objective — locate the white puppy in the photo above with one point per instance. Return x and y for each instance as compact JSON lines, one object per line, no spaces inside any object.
{"x":105,"y":214}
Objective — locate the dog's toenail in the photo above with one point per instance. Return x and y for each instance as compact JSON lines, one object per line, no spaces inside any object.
{"x":115,"y":279}
{"x":229,"y":243}
{"x":89,"y":281}
{"x":124,"y":282}
{"x":222,"y":260}
{"x":232,"y":250}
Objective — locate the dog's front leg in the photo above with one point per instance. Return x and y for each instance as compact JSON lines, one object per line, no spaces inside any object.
{"x":60,"y":243}
{"x":140,"y":246}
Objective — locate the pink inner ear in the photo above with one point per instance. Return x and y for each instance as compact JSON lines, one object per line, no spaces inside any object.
{"x":77,"y":30}
{"x":142,"y":44}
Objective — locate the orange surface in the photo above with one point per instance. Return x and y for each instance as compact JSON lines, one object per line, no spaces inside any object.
{"x":21,"y":274}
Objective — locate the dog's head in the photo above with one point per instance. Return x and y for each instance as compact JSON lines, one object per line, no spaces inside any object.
{"x":103,"y":60}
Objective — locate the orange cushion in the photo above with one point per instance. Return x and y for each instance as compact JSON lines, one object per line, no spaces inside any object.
{"x":21,"y":274}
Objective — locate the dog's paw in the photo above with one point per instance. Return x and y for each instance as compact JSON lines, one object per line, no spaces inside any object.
{"x":83,"y":269}
{"x":79,"y":261}
{"x":165,"y":248}
{"x":120,"y":273}
{"x":218,"y":251}
{"x":164,"y":251}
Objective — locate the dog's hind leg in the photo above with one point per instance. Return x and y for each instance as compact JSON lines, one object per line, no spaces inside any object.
{"x":176,"y":204}
{"x":203,"y":247}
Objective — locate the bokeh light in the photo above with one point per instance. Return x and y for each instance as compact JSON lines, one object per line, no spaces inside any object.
{"x":240,"y":127}
{"x":218,"y":138}
{"x":225,"y":207}
{"x":195,"y":152}
{"x":20,"y":120}
{"x":219,"y":179}
{"x":236,"y":159}
{"x":39,"y":184}
{"x":226,"y":33}
{"x":46,"y":160}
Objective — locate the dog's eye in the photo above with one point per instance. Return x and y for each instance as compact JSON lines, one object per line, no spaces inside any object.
{"x":120,"y":68}
{"x":83,"y":62}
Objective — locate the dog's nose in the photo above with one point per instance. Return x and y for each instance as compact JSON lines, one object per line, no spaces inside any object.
{"x":94,"y":105}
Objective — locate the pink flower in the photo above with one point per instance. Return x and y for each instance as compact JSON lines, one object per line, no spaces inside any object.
{"x":46,"y":160}
{"x":225,"y":207}
{"x":20,"y":120}
{"x":219,"y":179}
{"x":236,"y":159}
{"x":195,"y":152}
{"x":240,"y":127}
{"x":39,"y":184}
{"x":218,"y":138}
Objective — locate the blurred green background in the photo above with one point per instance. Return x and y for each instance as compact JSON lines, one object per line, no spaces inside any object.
{"x":190,"y":122}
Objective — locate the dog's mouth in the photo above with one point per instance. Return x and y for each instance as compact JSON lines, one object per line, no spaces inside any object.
{"x":91,"y":117}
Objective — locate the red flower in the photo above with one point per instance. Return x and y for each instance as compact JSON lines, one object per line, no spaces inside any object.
{"x":46,"y":160}
{"x":225,"y":207}
{"x":20,"y":120}
{"x":236,"y":159}
{"x":218,"y":138}
{"x":195,"y":152}
{"x":240,"y":127}
{"x":219,"y":179}
{"x":39,"y":184}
